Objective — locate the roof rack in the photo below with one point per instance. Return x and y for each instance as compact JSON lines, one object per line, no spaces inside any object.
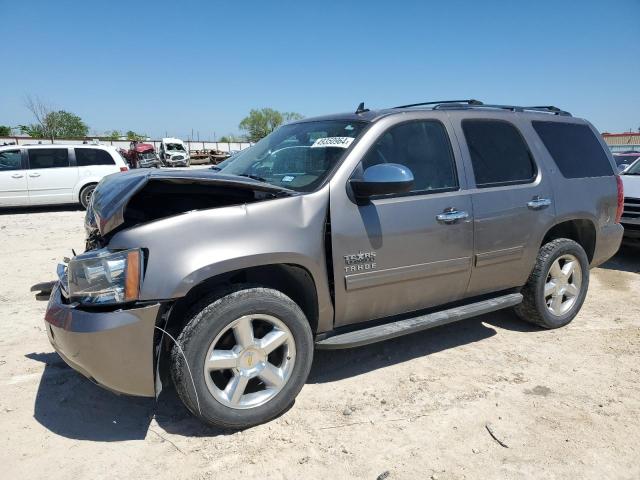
{"x":468,"y":102}
{"x":471,"y":103}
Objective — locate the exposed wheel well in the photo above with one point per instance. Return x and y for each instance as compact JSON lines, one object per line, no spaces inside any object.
{"x":292,"y":280}
{"x":581,"y":231}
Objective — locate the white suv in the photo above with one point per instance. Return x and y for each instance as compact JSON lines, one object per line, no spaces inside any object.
{"x":54,"y":174}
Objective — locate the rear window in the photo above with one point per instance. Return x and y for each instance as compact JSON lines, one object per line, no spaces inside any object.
{"x":575,"y":149}
{"x":498,"y":153}
{"x":93,"y":156}
{"x":48,"y":158}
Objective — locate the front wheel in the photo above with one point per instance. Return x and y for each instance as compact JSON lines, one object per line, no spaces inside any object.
{"x":557,"y":286}
{"x":244,"y":357}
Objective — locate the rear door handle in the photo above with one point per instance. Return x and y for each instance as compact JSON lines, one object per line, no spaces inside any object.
{"x":539,"y":203}
{"x":451,"y":216}
{"x":17,"y":175}
{"x":34,"y":174}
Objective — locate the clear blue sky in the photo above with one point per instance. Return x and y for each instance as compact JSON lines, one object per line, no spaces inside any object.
{"x":155,"y":66}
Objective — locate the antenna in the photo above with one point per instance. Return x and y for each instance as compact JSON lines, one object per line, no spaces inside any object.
{"x":361,"y":109}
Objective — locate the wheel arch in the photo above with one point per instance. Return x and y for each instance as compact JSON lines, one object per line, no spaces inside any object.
{"x":82,"y":185}
{"x":580,"y":230}
{"x":293,"y":280}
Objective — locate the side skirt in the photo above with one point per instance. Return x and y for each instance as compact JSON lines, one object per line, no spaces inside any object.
{"x":406,"y":326}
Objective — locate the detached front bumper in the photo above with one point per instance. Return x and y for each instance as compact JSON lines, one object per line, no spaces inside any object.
{"x":176,"y":163}
{"x":114,"y":349}
{"x":149,"y":163}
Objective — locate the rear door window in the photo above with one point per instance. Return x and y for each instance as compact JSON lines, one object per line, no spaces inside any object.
{"x":574,"y":148}
{"x":48,"y":158}
{"x":93,"y":156}
{"x":499,"y":154}
{"x":10,"y":160}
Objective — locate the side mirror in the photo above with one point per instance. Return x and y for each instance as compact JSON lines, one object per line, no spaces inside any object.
{"x":382,"y":179}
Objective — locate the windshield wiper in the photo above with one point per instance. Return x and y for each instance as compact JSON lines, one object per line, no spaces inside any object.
{"x":254,"y":177}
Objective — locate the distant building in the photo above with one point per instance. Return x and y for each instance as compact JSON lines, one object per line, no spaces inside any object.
{"x":622,"y":142}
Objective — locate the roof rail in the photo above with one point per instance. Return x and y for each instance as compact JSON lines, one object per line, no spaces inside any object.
{"x":513,"y":108}
{"x":478,"y":104}
{"x":468,"y":102}
{"x":550,"y":109}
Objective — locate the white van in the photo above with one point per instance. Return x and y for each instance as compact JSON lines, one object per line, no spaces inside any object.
{"x":54,"y":174}
{"x":173,"y":153}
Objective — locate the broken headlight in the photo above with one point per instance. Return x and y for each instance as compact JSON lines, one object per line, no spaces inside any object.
{"x":104,"y":277}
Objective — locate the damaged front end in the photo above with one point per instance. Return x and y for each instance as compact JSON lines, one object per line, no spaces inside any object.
{"x":125,"y":200}
{"x":96,"y":319}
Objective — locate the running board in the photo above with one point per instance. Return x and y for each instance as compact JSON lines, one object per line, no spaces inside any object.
{"x":386,"y":331}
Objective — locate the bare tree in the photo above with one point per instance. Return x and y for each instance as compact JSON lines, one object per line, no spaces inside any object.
{"x":42,"y":113}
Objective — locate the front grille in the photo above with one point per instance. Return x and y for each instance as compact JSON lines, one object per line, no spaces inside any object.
{"x":177,"y":157}
{"x":631,"y":208}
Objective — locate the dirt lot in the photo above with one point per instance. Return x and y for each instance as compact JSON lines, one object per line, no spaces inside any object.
{"x":566,"y":402}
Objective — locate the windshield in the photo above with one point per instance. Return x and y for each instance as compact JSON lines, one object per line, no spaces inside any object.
{"x":625,"y":159}
{"x":175,"y":147}
{"x":297,"y":156}
{"x":633,"y":169}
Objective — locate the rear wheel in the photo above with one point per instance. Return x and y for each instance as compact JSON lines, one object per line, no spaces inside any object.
{"x":247,"y":355}
{"x":557,"y":286}
{"x":85,"y":195}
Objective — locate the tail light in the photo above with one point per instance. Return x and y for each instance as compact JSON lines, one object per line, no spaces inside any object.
{"x":124,"y":169}
{"x":620,"y":199}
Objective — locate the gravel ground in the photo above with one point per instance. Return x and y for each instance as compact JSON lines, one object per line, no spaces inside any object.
{"x":566,"y":402}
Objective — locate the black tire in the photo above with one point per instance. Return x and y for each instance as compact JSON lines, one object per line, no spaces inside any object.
{"x":210,"y":317}
{"x":85,"y":195}
{"x":534,"y":308}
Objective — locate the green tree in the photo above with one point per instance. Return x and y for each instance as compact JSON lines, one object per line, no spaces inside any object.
{"x":114,"y":134}
{"x":51,"y":123}
{"x":60,"y":124}
{"x":292,"y":116}
{"x":260,"y":123}
{"x":230,"y":138}
{"x":5,"y":131}
{"x":68,"y":125}
{"x":131,"y":136}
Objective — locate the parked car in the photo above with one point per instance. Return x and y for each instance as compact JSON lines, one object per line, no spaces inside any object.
{"x":142,"y":155}
{"x":624,"y":159}
{"x":54,"y":174}
{"x":173,"y":153}
{"x":333,"y":232}
{"x":631,"y":214}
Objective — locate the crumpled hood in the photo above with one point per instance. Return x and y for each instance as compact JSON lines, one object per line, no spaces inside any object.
{"x":114,"y":192}
{"x":631,"y":185}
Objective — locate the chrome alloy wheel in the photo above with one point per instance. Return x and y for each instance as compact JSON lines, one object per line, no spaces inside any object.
{"x":563,"y":284}
{"x":250,"y":361}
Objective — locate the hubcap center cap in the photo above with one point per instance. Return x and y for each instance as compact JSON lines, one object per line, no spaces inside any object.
{"x":251,"y":361}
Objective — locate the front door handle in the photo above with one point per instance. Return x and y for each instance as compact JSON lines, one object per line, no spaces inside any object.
{"x":17,"y":175}
{"x":539,"y":203}
{"x":451,"y":216}
{"x":34,"y":174}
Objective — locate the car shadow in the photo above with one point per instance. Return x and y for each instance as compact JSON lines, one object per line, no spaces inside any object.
{"x":40,"y":209}
{"x":72,"y":406}
{"x":626,"y":260}
{"x":333,"y":365}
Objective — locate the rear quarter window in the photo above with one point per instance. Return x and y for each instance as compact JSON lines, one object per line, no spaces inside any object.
{"x":575,"y":149}
{"x":93,"y":156}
